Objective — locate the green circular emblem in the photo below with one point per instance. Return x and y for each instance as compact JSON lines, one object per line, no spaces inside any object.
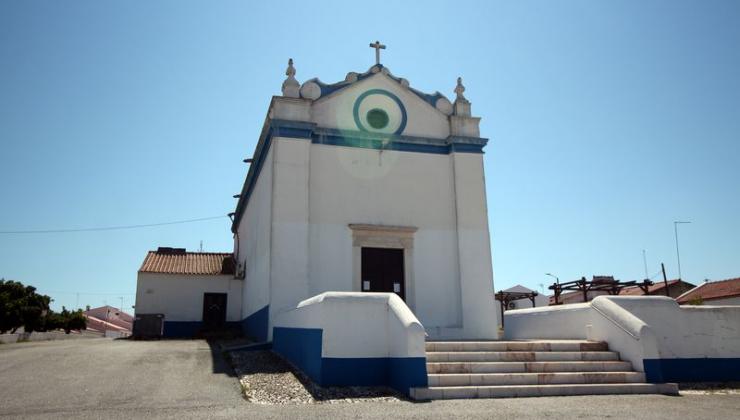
{"x":377,"y":118}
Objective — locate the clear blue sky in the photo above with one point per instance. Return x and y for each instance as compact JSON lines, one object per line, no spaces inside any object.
{"x":607,"y":120}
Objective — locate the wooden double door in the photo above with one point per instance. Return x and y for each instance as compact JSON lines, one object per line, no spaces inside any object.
{"x":383,"y":271}
{"x":214,"y":311}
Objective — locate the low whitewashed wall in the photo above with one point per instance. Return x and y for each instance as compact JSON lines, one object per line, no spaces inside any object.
{"x":354,"y":339}
{"x":116,"y":334}
{"x":46,"y":336}
{"x":563,"y":321}
{"x":358,"y":324}
{"x":659,"y":337}
{"x":731,"y":301}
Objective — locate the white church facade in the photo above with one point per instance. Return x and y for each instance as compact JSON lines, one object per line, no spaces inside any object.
{"x":367,"y":185}
{"x":366,"y":191}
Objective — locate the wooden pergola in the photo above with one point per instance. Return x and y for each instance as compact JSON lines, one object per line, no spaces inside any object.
{"x":599,"y":284}
{"x":507,"y":297}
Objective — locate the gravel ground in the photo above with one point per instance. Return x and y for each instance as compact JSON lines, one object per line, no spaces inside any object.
{"x":708,"y":388}
{"x":266,"y":378}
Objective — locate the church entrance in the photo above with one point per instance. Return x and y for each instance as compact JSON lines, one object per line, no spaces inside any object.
{"x":383,"y":271}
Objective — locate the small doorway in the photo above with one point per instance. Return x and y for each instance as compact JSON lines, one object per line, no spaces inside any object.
{"x":214,"y":311}
{"x":383,"y":271}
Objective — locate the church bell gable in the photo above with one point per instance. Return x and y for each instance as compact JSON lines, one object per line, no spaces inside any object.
{"x":379,"y":103}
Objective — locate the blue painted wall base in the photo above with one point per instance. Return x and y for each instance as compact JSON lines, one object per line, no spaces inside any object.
{"x":255,"y":325}
{"x":188,"y":329}
{"x":692,"y":370}
{"x":302,"y":347}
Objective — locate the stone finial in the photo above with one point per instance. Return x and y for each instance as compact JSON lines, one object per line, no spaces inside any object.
{"x":461,"y":105}
{"x":459,"y":89}
{"x":291,"y":87}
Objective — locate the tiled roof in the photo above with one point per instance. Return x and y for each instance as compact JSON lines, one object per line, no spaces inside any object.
{"x":636,"y":291}
{"x":178,"y":261}
{"x":575,"y":297}
{"x":712,"y":290}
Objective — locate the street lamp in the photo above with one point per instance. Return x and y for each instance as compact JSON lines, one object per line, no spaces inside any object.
{"x":557,"y":280}
{"x":678,"y":255}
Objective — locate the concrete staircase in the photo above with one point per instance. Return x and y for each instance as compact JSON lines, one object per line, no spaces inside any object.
{"x":491,"y":369}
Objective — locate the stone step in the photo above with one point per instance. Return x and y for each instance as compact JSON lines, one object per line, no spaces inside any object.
{"x":528,"y":367}
{"x":537,"y":345}
{"x":520,"y":356}
{"x":503,"y":391}
{"x":466,"y":379}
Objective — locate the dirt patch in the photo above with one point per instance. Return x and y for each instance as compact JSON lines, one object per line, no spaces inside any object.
{"x":266,"y":378}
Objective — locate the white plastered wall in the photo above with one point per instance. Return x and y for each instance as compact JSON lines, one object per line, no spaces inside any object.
{"x":254,"y":241}
{"x":180,"y":296}
{"x":732,"y":301}
{"x":386,"y":188}
{"x":327,"y":188}
{"x":389,"y":329}
{"x":289,"y":254}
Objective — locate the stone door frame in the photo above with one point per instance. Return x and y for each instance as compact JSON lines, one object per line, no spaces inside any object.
{"x":384,"y":236}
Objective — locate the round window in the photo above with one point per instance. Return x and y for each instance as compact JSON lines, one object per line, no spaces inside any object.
{"x":377,"y":118}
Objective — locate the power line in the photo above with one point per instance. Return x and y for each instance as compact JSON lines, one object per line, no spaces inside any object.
{"x":103,"y":228}
{"x":56,"y":292}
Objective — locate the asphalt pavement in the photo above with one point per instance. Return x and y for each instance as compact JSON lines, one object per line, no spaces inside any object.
{"x":104,"y":378}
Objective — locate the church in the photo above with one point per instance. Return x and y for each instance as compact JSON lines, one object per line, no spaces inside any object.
{"x":362,"y":256}
{"x":366,"y":185}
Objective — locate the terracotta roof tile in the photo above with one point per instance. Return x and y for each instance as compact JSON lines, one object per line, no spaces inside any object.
{"x":636,"y":291}
{"x":712,"y":290}
{"x":178,"y":261}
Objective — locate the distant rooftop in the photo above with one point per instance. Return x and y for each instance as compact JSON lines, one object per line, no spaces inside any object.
{"x":178,"y":261}
{"x":712,"y":290}
{"x":656,"y":287}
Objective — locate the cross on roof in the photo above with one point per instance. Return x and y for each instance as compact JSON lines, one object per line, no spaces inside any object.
{"x":378,"y":46}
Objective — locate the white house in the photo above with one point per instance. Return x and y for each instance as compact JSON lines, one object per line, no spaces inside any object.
{"x":720,"y":292}
{"x":192,"y":291}
{"x":539,"y":300}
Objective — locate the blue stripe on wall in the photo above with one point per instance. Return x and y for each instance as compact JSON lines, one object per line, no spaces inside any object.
{"x":181,"y":329}
{"x":400,"y":373}
{"x":188,"y":329}
{"x":692,"y":370}
{"x":255,"y":325}
{"x":302,"y":347}
{"x":407,"y":372}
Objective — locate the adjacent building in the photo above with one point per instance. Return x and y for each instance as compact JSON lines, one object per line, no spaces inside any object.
{"x":722,"y":292}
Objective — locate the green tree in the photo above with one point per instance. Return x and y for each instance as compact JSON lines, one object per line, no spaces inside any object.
{"x":21,"y":306}
{"x":75,"y":320}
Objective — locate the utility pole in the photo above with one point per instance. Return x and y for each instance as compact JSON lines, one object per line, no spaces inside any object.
{"x":644,"y":261}
{"x":678,"y":255}
{"x":665,"y":280}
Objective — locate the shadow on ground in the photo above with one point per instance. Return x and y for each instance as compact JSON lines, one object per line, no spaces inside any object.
{"x":219,"y":361}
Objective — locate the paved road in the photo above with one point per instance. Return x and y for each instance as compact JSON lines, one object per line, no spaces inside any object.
{"x":102,"y":378}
